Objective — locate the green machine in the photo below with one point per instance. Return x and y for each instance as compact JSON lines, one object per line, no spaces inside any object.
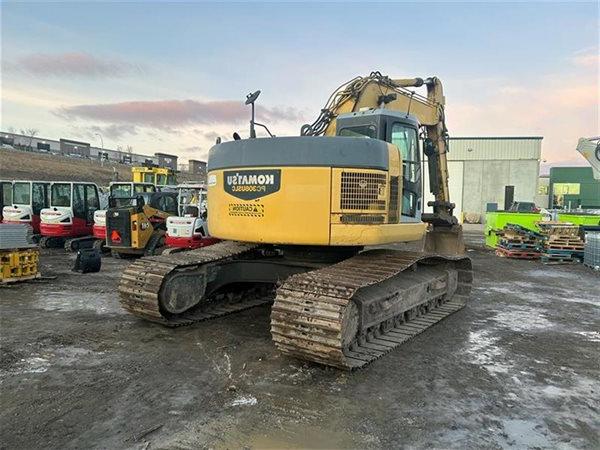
{"x":495,"y":221}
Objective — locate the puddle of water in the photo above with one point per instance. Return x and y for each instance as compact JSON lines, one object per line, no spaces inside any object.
{"x":522,"y":319}
{"x":483,"y":351}
{"x":592,"y":336}
{"x":73,"y":301}
{"x":523,"y":434}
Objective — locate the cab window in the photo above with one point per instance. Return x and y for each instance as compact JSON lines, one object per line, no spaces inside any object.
{"x":148,"y":178}
{"x":359,"y":131}
{"x":168,"y":204}
{"x":21,"y":194}
{"x":91,"y":197}
{"x":79,"y":201}
{"x":40,"y":197}
{"x":161,"y":179}
{"x":405,"y":138}
{"x":61,"y":195}
{"x":6,"y":193}
{"x":121,"y":190}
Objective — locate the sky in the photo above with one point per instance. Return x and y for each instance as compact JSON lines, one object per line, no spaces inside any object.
{"x":172,"y":77}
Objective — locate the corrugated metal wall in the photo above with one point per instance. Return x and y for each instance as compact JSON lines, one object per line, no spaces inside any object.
{"x":465,"y":149}
{"x":480,"y":168}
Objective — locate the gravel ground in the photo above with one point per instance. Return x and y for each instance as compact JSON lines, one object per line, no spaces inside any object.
{"x":517,"y":368}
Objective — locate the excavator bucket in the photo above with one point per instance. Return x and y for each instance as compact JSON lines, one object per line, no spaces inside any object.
{"x":446,"y":241}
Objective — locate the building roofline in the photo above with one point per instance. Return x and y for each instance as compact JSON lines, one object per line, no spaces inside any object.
{"x":497,"y":138}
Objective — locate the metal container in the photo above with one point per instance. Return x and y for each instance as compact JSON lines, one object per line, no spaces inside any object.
{"x":591,"y":250}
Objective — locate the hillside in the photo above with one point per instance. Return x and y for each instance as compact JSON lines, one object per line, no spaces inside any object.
{"x":20,"y":165}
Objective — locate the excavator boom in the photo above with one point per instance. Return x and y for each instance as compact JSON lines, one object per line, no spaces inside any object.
{"x":375,"y":91}
{"x":590,"y":150}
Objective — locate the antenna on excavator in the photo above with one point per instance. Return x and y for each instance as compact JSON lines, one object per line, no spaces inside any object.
{"x":250,"y":99}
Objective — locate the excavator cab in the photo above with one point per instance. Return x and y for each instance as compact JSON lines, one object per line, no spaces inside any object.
{"x":399,"y":129}
{"x":402,"y":130}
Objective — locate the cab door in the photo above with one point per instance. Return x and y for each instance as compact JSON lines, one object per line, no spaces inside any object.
{"x":406,"y":139}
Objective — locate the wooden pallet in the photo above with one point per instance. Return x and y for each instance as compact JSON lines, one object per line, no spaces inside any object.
{"x":549,"y":258}
{"x":572,"y":247}
{"x":511,"y":245}
{"x":517,"y":254}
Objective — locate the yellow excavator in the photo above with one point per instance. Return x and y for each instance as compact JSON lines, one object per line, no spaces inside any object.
{"x":298,"y":216}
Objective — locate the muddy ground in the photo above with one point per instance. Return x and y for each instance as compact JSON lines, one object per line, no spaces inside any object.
{"x":517,"y":368}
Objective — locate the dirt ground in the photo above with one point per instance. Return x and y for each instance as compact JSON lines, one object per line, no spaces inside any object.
{"x":23,"y":165}
{"x":517,"y":368}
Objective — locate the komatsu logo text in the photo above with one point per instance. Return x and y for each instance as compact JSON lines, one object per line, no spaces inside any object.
{"x":252,"y":184}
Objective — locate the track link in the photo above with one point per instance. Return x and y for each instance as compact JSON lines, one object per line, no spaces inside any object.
{"x":143,"y":281}
{"x":313,"y":311}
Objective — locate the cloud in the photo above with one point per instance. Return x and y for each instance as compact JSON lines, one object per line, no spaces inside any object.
{"x":561,"y":109}
{"x":76,"y":64}
{"x":165,"y":114}
{"x":115,"y":131}
{"x":591,"y":60}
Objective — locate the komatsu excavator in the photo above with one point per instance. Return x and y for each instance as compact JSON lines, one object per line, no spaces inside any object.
{"x":298,"y":214}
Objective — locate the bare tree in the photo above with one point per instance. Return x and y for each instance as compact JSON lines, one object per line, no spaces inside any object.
{"x":30,"y":133}
{"x":129,"y":149}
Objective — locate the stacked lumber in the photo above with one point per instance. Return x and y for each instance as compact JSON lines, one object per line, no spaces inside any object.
{"x":562,"y":243}
{"x":519,"y":242}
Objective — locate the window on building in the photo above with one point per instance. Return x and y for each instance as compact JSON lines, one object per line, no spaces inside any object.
{"x":61,"y":195}
{"x":21,"y":193}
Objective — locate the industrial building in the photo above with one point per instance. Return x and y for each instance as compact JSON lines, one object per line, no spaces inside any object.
{"x":69,"y":147}
{"x":573,"y":187}
{"x":480,"y":168}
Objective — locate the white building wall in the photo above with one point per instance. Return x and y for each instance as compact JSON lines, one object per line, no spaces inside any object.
{"x":480,"y":168}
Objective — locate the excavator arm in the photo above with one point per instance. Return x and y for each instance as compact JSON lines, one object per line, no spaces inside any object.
{"x":376,"y":91}
{"x":590,"y":150}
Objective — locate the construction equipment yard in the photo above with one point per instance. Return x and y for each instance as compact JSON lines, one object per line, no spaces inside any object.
{"x":516,"y":368}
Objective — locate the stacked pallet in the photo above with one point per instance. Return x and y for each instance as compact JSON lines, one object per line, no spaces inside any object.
{"x":562,"y":243}
{"x":519,"y":242}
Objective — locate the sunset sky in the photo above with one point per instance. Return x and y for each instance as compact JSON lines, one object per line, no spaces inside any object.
{"x":172,"y":77}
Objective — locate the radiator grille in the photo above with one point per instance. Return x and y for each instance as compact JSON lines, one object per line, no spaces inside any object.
{"x":363,"y":191}
{"x":362,"y":218}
